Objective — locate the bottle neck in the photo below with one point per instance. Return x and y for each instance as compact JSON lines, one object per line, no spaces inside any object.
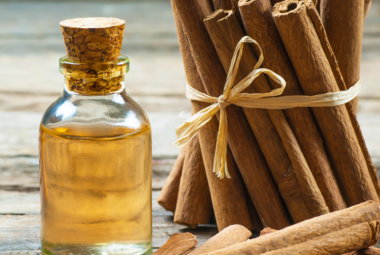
{"x":94,"y":86}
{"x":94,"y":78}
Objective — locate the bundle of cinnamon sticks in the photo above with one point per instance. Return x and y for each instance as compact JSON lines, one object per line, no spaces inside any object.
{"x":286,"y":166}
{"x":349,"y":231}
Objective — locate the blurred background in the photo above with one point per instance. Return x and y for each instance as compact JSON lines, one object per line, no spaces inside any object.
{"x":31,"y":44}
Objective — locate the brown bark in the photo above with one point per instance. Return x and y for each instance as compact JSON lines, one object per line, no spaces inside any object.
{"x":178,"y":244}
{"x":343,"y":21}
{"x":228,"y":195}
{"x":345,"y":240}
{"x":229,"y":236}
{"x":169,"y":193}
{"x":243,"y":144}
{"x":259,"y":24}
{"x":194,"y":201}
{"x":316,"y":76}
{"x":307,"y":230}
{"x":342,"y":86}
{"x":273,"y":133}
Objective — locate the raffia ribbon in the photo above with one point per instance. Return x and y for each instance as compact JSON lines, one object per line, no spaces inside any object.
{"x":233,"y":95}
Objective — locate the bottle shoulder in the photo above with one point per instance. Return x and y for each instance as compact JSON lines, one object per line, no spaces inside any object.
{"x":110,"y":115}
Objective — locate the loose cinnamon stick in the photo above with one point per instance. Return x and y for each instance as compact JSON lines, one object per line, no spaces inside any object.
{"x":178,"y":244}
{"x":342,"y":86}
{"x":243,"y":144}
{"x":259,"y":24}
{"x":229,"y":236}
{"x":367,"y":251}
{"x":228,"y":195}
{"x":169,"y":193}
{"x":316,"y":76}
{"x":194,"y":201}
{"x":307,"y":230}
{"x":343,"y":21}
{"x":345,"y":240}
{"x":276,"y":139}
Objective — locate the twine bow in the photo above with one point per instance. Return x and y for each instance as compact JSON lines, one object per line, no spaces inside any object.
{"x":233,"y":95}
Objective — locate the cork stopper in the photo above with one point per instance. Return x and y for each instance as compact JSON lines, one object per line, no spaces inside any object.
{"x":90,"y":40}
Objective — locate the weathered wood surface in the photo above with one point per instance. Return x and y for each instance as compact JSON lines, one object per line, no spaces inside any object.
{"x":30,"y":45}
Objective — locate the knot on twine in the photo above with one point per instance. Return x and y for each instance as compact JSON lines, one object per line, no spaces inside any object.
{"x":232,"y":95}
{"x":222,"y":103}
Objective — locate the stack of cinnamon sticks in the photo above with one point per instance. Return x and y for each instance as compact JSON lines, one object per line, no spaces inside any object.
{"x":286,"y":166}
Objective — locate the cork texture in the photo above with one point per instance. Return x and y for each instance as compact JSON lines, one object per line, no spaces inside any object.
{"x":90,"y":40}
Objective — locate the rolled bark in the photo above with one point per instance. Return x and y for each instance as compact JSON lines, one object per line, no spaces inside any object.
{"x":345,"y":240}
{"x":227,"y":195}
{"x":229,"y":236}
{"x":343,"y":21}
{"x":242,"y":142}
{"x":280,"y":147}
{"x":342,"y":86}
{"x":307,"y":230}
{"x":259,"y":24}
{"x":169,"y":193}
{"x":316,"y":76}
{"x":367,"y":251}
{"x":194,"y":201}
{"x":178,"y":243}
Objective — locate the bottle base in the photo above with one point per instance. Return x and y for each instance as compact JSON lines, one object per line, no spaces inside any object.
{"x":97,"y":249}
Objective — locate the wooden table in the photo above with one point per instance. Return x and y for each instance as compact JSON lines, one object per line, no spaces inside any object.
{"x":30,"y":45}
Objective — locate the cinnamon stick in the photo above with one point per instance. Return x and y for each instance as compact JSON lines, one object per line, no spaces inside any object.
{"x":343,"y":21}
{"x":342,"y":86}
{"x":316,"y":76}
{"x":259,"y":24}
{"x":345,"y":240}
{"x":243,"y":144}
{"x":178,"y":244}
{"x":227,"y":195}
{"x":229,"y":236}
{"x":273,"y":133}
{"x":194,"y":202}
{"x":307,"y":230}
{"x":367,"y":251}
{"x":169,"y":193}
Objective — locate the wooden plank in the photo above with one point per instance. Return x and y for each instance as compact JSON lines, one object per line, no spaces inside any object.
{"x":20,"y":223}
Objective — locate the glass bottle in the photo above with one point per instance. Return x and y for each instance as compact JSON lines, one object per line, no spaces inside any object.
{"x":95,"y":165}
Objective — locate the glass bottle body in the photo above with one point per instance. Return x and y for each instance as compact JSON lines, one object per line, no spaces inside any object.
{"x":95,"y":168}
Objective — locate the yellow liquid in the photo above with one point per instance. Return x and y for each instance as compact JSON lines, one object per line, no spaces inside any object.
{"x":95,"y":187}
